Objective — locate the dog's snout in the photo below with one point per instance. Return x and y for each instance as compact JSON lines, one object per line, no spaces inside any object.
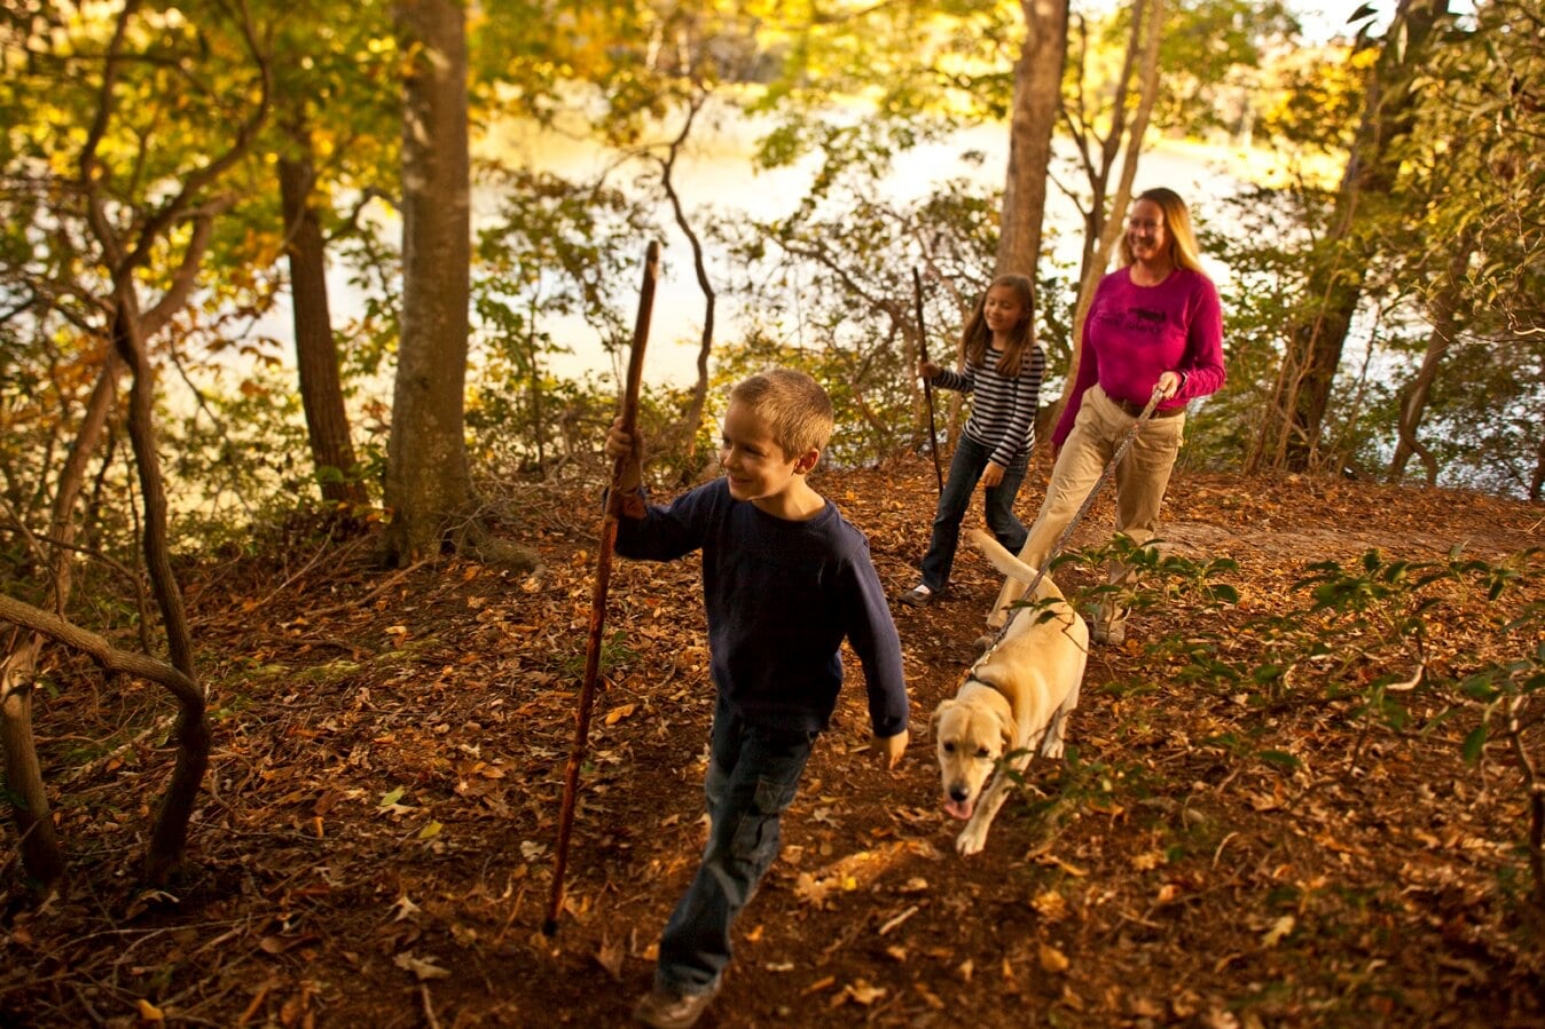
{"x":960,"y":792}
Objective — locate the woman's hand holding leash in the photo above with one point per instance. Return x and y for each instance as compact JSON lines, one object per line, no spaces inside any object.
{"x":1169,"y":384}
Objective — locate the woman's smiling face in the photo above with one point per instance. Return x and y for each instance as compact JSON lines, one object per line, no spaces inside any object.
{"x":1146,"y":235}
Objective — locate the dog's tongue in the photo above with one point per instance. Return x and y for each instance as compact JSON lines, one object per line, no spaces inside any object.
{"x":961,"y":809}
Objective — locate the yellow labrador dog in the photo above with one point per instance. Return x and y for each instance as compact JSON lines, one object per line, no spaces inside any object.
{"x":1014,"y":701}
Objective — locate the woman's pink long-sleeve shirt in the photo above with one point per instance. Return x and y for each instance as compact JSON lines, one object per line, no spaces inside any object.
{"x":1136,"y":333}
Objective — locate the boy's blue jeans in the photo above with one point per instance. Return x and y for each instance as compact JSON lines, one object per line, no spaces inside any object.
{"x":966,"y":469}
{"x":752,"y":776}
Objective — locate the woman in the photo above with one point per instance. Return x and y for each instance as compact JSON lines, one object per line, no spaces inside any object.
{"x":1155,"y":323}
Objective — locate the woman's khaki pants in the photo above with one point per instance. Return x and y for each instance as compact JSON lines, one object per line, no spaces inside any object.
{"x":1141,"y":479}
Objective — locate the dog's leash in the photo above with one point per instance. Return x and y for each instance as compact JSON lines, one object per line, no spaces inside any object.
{"x":1078,"y":516}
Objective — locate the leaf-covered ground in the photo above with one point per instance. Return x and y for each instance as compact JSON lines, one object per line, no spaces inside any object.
{"x":375,"y":843}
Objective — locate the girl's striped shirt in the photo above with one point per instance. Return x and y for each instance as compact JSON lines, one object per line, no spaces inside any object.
{"x":1003,"y":411}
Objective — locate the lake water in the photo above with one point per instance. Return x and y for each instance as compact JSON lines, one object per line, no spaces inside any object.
{"x":715,"y":175}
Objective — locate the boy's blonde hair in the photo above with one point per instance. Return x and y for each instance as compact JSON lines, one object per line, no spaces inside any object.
{"x":794,"y":407}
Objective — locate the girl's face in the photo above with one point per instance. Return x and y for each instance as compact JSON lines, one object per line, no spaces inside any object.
{"x":1003,"y":309}
{"x":1146,"y":235}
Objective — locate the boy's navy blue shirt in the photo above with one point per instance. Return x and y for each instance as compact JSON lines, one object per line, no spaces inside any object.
{"x":781,"y":596}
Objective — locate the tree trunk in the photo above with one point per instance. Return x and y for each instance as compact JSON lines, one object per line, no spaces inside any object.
{"x":1413,"y":401}
{"x":39,"y":844}
{"x":169,"y":834}
{"x":1537,"y":480}
{"x":152,"y":222}
{"x":1291,"y":432}
{"x":693,"y":418}
{"x":428,"y":483}
{"x":1037,"y":100}
{"x":1103,"y":232}
{"x":40,"y":853}
{"x":316,"y":352}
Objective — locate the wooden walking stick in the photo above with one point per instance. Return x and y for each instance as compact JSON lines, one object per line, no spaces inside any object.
{"x":922,"y":352}
{"x":620,"y":498}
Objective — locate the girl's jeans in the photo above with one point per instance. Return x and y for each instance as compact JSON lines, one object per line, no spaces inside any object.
{"x":753,"y":773}
{"x":966,"y":469}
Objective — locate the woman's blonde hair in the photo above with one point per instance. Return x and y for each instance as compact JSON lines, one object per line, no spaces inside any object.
{"x":1183,"y":251}
{"x":977,"y":338}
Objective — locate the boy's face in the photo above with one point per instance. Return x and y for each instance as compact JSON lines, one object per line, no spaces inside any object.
{"x":753,"y":462}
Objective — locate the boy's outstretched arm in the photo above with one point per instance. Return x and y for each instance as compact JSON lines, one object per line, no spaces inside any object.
{"x":873,"y":636}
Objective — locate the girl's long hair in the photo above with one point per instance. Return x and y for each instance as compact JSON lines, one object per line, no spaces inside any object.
{"x":1183,"y":251}
{"x":977,"y":338}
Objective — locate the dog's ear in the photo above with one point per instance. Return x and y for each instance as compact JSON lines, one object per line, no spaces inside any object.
{"x":938,"y":713}
{"x":1006,"y":727}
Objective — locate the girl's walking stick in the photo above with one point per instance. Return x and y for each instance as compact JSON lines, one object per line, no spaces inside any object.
{"x":618,"y":500}
{"x":922,"y":352}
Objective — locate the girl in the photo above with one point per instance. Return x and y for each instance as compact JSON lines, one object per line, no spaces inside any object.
{"x":1003,"y":366}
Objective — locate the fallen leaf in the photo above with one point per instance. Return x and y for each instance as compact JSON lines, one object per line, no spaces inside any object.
{"x":864,"y":993}
{"x":149,"y":1012}
{"x":422,"y":969}
{"x":1052,"y":959}
{"x":280,"y":944}
{"x":1281,"y":928}
{"x":609,"y":957}
{"x":617,"y":714}
{"x":1050,"y":905}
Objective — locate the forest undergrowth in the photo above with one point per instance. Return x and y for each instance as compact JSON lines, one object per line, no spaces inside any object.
{"x":1292,"y":796}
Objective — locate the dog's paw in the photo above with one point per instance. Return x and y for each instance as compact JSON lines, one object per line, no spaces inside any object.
{"x":971,"y":841}
{"x":1052,"y":748}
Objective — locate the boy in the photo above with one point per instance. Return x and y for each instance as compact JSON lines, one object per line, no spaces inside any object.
{"x":785,"y":579}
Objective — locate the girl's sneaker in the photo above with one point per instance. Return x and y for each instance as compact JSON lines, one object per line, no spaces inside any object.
{"x":918,"y":596}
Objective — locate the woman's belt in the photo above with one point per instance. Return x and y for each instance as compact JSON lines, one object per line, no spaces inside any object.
{"x":1136,"y":410}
